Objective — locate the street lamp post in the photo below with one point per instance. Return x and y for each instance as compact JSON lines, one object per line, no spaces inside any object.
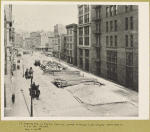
{"x":31,"y":74}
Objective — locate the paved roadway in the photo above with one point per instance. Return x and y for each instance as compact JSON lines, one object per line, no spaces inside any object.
{"x":55,"y":102}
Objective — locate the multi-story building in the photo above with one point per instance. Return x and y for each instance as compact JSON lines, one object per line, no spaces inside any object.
{"x":33,"y":40}
{"x":84,"y":46}
{"x":58,"y":30}
{"x":50,"y":43}
{"x":27,"y":44}
{"x":42,"y":41}
{"x":25,"y":35}
{"x":18,"y":41}
{"x":65,"y":48}
{"x":8,"y":32}
{"x":61,"y":47}
{"x":113,"y":51}
{"x":71,"y":44}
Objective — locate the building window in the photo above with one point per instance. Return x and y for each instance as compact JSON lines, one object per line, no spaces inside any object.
{"x":80,"y":20}
{"x":81,"y":52}
{"x":111,"y":40}
{"x":70,"y":53}
{"x":111,"y":11}
{"x":71,"y":31}
{"x":107,"y":11}
{"x":98,"y":53}
{"x":111,"y":26}
{"x":58,"y":47}
{"x":86,"y":18}
{"x":80,"y":10}
{"x":86,"y":40}
{"x":87,"y":64}
{"x":97,"y":27}
{"x":98,"y":68}
{"x":106,"y":26}
{"x":67,"y":52}
{"x":67,"y":32}
{"x":115,"y":10}
{"x":107,"y":41}
{"x":129,"y":78}
{"x":112,"y":72}
{"x":80,"y":31}
{"x":126,"y":8}
{"x":80,"y":41}
{"x":70,"y":38}
{"x":131,"y":23}
{"x":98,"y":14}
{"x":98,"y":39}
{"x":86,"y":53}
{"x":115,"y":25}
{"x":81,"y":62}
{"x":126,"y":19}
{"x":98,"y":30}
{"x":129,"y":59}
{"x":86,"y":29}
{"x":70,"y":46}
{"x":67,"y":45}
{"x":131,"y":7}
{"x":58,"y":41}
{"x":115,"y":40}
{"x":86,"y":7}
{"x":126,"y":40}
{"x":112,"y":56}
{"x":131,"y":40}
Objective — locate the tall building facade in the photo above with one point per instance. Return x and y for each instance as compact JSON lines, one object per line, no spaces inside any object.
{"x":27,"y":44}
{"x":59,"y":29}
{"x":113,"y":45}
{"x":33,"y":40}
{"x":8,"y":32}
{"x":50,"y":43}
{"x":84,"y":45}
{"x":71,"y":44}
{"x":18,"y":41}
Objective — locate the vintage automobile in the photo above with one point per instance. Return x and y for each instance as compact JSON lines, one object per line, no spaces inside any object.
{"x":37,"y":63}
{"x":35,"y":92}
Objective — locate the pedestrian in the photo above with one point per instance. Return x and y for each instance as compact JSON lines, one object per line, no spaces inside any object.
{"x":13,"y":98}
{"x":12,"y":73}
{"x":31,"y":70}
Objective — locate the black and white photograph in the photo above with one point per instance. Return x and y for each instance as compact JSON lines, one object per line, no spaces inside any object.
{"x":74,"y":60}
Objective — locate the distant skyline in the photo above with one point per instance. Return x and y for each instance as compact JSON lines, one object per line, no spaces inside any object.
{"x":43,"y":17}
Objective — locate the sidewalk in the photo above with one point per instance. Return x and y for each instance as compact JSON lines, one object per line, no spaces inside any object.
{"x":18,"y":108}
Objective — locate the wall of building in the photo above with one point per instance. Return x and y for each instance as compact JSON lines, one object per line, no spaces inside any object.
{"x":121,"y":48}
{"x":83,"y":47}
{"x":51,"y":42}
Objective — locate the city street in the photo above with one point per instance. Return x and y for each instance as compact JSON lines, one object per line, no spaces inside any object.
{"x":59,"y":102}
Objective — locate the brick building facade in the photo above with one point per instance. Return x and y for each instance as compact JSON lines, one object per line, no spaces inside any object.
{"x":113,"y":48}
{"x":71,"y":44}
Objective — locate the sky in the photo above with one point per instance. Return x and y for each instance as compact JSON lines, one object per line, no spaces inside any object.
{"x":43,"y":17}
